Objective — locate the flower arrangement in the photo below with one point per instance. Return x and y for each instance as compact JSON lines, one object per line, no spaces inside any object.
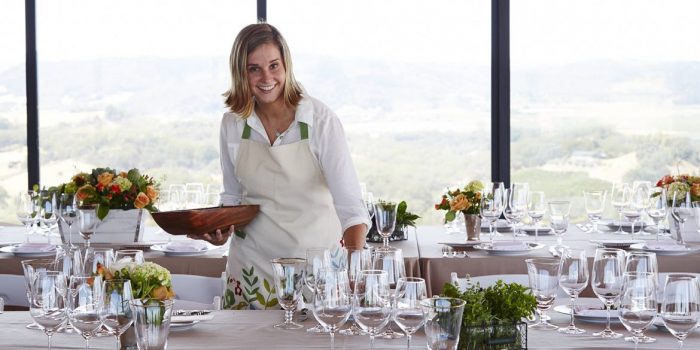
{"x":110,"y":189}
{"x":149,"y":281}
{"x":466,"y":200}
{"x":680,"y":185}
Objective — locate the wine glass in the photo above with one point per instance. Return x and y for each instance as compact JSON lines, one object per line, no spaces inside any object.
{"x":543,"y":274}
{"x":515,"y":207}
{"x":408,"y":313}
{"x":26,"y":210}
{"x":47,"y":301}
{"x":67,"y":212}
{"x":536,"y":208}
{"x":97,"y":259}
{"x":48,"y":212}
{"x":115,"y":313}
{"x":680,"y":307}
{"x":559,"y":221}
{"x":358,"y":260}
{"x":492,"y":206}
{"x":368,"y":199}
{"x":390,"y":259}
{"x":315,"y":261}
{"x":639,"y":199}
{"x":573,"y":280}
{"x":619,"y":198}
{"x":639,"y":261}
{"x":608,"y":269}
{"x":87,"y":219}
{"x":656,"y":208}
{"x":85,"y":300}
{"x":129,"y":255}
{"x":289,"y":280}
{"x":638,"y":304}
{"x":371,"y":303}
{"x":30,"y":268}
{"x":332,"y":303}
{"x":595,"y":205}
{"x":385,"y":216}
{"x":681,"y":210}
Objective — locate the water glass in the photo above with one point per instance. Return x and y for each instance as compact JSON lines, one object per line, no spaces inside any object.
{"x":443,"y":322}
{"x":96,"y":260}
{"x":536,"y":208}
{"x":573,"y":279}
{"x":26,"y":210}
{"x":638,"y":261}
{"x":492,"y":204}
{"x":371,"y":303}
{"x":87,"y":220}
{"x":595,"y":205}
{"x":316,"y":259}
{"x":385,"y":217}
{"x":47,"y":301}
{"x":390,"y":260}
{"x":288,"y":276}
{"x":657,"y":207}
{"x":151,"y":322}
{"x":608,"y":271}
{"x":681,"y":210}
{"x":680,"y":307}
{"x":408,"y":314}
{"x":638,"y":304}
{"x":332,"y":303}
{"x":115,"y":313}
{"x":559,"y":221}
{"x":358,"y":260}
{"x":68,"y":213}
{"x":85,"y":300}
{"x":543,"y":274}
{"x":619,"y":198}
{"x":48,"y":212}
{"x":516,"y":207}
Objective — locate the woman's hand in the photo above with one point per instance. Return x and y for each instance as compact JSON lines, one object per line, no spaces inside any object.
{"x":216,"y":238}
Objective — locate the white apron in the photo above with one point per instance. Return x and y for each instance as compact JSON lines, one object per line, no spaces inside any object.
{"x":296,"y":213}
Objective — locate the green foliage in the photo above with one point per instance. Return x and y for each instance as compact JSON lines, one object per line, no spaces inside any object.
{"x":405,"y":217}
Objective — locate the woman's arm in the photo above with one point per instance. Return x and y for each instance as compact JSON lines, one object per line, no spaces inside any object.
{"x":355,"y":236}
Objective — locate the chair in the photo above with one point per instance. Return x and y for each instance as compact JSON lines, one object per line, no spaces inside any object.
{"x":198,"y":292}
{"x":13,"y":289}
{"x":487,"y":281}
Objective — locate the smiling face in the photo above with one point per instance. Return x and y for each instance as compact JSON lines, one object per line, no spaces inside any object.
{"x":266,"y":74}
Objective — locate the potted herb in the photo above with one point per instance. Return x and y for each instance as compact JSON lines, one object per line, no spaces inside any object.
{"x":404,"y":218}
{"x":492,"y":316}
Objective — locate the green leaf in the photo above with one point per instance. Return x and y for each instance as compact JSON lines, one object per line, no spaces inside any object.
{"x":247,"y":281}
{"x":255,"y":280}
{"x":266,"y":284}
{"x":102,"y":211}
{"x":450,"y":216}
{"x":260,"y":298}
{"x":271,"y":303}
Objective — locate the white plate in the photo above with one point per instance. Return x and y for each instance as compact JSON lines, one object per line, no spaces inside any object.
{"x":38,"y":254}
{"x":464,"y":244}
{"x":589,"y":310}
{"x":679,"y":250}
{"x":180,"y":316}
{"x":509,"y":252}
{"x":616,"y":243}
{"x":163,"y":248}
{"x":182,"y":326}
{"x":541,"y":231}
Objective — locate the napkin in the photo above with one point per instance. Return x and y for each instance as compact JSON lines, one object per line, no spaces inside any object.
{"x":34,"y":248}
{"x":183,"y":316}
{"x":509,"y":245}
{"x":186,"y":246}
{"x":665,"y":246}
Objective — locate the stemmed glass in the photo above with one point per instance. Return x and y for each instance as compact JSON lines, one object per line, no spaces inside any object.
{"x":390,"y":260}
{"x":408,"y":313}
{"x":680,"y":307}
{"x":492,"y":206}
{"x":619,"y":198}
{"x":536,"y":208}
{"x":385,"y":216}
{"x":608,"y":269}
{"x":26,"y":210}
{"x":559,"y":221}
{"x":371,"y":303}
{"x":595,"y":204}
{"x":332,"y":303}
{"x":67,"y":212}
{"x":87,"y":219}
{"x":97,"y":259}
{"x":681,"y":210}
{"x":639,"y":199}
{"x":358,"y":260}
{"x":289,"y":280}
{"x":516,"y":206}
{"x":638,"y":304}
{"x":115,"y":313}
{"x":656,"y":209}
{"x":315,"y":261}
{"x":573,"y":280}
{"x":30,"y":268}
{"x":47,"y":301}
{"x":368,"y":199}
{"x":85,"y":300}
{"x":48,"y":212}
{"x":543,"y":274}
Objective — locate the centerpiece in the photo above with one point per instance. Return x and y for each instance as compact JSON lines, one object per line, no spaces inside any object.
{"x":120,"y":198}
{"x":466,"y":200}
{"x":686,"y":191}
{"x":404,"y":219}
{"x":492,"y":316}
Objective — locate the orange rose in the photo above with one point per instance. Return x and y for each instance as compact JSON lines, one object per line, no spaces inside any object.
{"x":123,"y":174}
{"x":459,"y":203}
{"x":152,"y":193}
{"x":84,"y":192}
{"x":141,"y":200}
{"x":105,"y":178}
{"x":695,"y":189}
{"x":160,"y":293}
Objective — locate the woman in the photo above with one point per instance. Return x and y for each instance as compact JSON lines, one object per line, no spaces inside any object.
{"x":285,"y":151}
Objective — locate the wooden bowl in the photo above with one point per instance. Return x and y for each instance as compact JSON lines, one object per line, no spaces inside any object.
{"x":203,"y":220}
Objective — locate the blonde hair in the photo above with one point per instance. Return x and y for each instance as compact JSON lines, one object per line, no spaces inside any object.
{"x":239,"y":98}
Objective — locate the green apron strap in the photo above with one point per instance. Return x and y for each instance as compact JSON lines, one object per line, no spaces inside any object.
{"x":246,"y":132}
{"x":304,"y":128}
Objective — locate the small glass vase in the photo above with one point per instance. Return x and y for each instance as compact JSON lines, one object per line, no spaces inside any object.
{"x":151,"y":323}
{"x":473,"y":223}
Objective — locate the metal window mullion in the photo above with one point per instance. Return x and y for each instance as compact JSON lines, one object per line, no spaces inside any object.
{"x":32,"y":94}
{"x":500,"y":91}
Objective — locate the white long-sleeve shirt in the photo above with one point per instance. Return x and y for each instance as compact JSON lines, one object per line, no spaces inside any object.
{"x":328,"y":145}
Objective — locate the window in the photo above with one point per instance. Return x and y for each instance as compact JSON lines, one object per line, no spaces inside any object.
{"x":603,"y":91}
{"x":410,"y":80}
{"x":13,"y":108}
